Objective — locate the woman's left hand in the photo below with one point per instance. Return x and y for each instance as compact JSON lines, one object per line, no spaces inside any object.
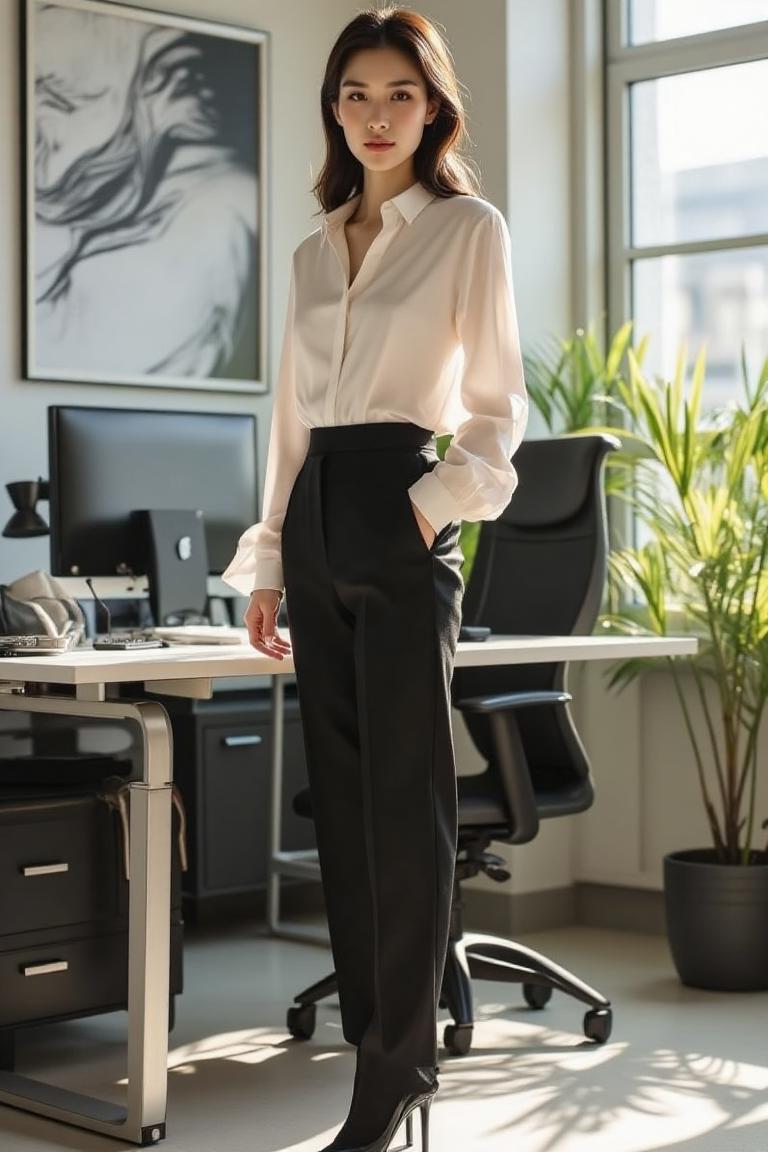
{"x":426,"y":529}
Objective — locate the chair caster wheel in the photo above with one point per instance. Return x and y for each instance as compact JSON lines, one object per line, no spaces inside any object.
{"x":458,"y":1038}
{"x":597,"y":1024}
{"x":537,"y":995}
{"x":300,"y":1021}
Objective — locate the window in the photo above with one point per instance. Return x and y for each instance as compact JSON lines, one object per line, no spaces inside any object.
{"x":667,"y":19}
{"x":687,"y":187}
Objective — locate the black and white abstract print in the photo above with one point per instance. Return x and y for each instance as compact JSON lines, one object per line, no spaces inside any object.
{"x":143,"y":191}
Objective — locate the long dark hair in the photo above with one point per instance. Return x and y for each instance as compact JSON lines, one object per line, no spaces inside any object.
{"x":437,"y":162}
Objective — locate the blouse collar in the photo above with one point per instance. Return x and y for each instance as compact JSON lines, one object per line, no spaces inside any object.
{"x":408,"y":203}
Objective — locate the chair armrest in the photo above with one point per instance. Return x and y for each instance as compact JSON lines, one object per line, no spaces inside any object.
{"x":509,"y":754}
{"x":507,"y":700}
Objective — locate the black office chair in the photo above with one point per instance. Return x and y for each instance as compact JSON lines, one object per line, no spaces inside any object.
{"x":539,"y":570}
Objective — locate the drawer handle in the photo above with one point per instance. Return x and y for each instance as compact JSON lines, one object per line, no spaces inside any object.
{"x":241,"y":741}
{"x":44,"y":869}
{"x":45,"y":969}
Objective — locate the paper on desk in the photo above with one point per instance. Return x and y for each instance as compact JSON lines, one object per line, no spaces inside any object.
{"x":202,"y":634}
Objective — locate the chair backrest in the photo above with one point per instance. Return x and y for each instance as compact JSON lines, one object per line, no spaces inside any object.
{"x":540,"y":570}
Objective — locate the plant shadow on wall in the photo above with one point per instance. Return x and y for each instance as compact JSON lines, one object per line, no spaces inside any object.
{"x":696,"y":482}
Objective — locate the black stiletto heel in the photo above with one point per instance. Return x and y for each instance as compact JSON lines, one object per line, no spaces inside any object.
{"x":424,"y":1106}
{"x":403,"y":1111}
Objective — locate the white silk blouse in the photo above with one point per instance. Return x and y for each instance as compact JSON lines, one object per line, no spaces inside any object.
{"x":427,"y":333}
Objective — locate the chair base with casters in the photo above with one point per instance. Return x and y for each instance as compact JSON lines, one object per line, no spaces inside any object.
{"x":474,"y":956}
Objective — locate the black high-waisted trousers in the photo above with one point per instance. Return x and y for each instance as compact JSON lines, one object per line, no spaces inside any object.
{"x":374,"y":618}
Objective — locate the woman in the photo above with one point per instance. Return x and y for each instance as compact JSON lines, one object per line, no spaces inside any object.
{"x":401,"y":326}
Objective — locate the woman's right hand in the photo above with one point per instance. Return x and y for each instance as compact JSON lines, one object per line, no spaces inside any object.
{"x":261,"y":621}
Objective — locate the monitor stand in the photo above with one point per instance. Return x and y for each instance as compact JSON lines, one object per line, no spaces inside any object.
{"x":176,"y":563}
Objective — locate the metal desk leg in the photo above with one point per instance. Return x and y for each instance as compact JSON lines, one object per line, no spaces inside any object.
{"x":149,"y":913}
{"x":303,"y":864}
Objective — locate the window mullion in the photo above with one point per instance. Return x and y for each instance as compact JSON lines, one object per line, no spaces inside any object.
{"x":693,"y":247}
{"x":684,"y":53}
{"x":692,"y":54}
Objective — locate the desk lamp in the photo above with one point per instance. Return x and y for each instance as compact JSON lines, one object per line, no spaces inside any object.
{"x":26,"y":520}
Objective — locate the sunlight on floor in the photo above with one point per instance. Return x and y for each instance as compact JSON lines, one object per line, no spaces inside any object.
{"x":604,"y":1099}
{"x":684,"y":1070}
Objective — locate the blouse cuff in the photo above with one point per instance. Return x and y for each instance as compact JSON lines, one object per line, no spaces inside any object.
{"x":246,"y":576}
{"x":434,"y":501}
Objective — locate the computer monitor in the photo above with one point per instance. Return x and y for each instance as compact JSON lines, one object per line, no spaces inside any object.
{"x":106,"y":463}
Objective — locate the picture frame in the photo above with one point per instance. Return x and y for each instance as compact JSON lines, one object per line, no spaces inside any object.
{"x":145,"y":218}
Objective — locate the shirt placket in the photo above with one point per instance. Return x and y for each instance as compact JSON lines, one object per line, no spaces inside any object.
{"x":366,"y":273}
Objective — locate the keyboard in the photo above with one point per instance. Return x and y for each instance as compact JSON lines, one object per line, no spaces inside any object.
{"x":126,"y":642}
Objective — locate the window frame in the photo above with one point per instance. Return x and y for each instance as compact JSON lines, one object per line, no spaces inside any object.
{"x":626,"y":64}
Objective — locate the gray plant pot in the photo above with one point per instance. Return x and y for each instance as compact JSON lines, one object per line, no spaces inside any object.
{"x":717,"y":920}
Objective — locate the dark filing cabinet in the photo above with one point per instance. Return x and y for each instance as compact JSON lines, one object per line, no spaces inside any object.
{"x":64,"y":906}
{"x":222,"y":761}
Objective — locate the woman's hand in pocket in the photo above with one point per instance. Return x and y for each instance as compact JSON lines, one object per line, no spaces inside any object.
{"x":427,"y":531}
{"x":261,"y":621}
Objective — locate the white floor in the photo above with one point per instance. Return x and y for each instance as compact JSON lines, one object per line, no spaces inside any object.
{"x":683,"y":1070}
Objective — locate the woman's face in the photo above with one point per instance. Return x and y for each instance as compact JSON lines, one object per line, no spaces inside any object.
{"x":383,"y":95}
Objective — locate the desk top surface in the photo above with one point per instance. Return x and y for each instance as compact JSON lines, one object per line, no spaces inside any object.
{"x":203,"y":661}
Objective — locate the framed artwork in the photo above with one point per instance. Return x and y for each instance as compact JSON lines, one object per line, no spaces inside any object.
{"x":145,"y":206}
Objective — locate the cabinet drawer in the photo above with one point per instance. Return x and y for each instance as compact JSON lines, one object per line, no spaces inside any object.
{"x":235,"y":802}
{"x":92,"y":973}
{"x":57,"y":865}
{"x":72,"y":978}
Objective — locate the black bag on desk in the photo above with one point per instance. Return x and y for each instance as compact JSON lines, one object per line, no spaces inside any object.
{"x":37,"y":605}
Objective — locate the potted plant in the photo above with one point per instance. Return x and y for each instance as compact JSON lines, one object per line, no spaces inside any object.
{"x":700,"y":491}
{"x":573,"y":383}
{"x":575,"y":386}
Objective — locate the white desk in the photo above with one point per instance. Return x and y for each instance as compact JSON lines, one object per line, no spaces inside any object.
{"x":80,"y":684}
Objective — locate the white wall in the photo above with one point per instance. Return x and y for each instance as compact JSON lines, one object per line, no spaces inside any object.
{"x":540,"y":184}
{"x":648,"y":801}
